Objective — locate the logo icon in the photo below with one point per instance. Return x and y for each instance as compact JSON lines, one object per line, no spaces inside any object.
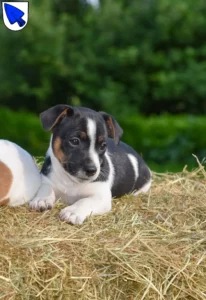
{"x":15,"y":14}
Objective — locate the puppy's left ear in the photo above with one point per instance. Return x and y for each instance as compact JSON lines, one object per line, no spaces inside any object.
{"x":113,"y":128}
{"x":53,"y":116}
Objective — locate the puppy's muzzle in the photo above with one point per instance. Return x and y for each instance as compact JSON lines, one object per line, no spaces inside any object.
{"x":90,"y":170}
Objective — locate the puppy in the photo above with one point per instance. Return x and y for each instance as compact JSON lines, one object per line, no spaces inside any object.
{"x":85,"y":168}
{"x":19,"y":176}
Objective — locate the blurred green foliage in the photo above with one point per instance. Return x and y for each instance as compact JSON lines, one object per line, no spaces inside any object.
{"x":24,"y":129}
{"x":125,"y":57}
{"x":165,"y":142}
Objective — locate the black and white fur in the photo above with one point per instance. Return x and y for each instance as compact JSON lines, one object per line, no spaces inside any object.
{"x":85,"y":168}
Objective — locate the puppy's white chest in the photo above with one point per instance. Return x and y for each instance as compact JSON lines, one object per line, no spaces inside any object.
{"x":67,"y":194}
{"x":64,"y":189}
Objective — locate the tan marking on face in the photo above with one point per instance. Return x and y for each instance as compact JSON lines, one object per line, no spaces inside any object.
{"x":57,"y":149}
{"x":100,"y":138}
{"x":4,"y":202}
{"x":6,"y":179}
{"x":83,"y":135}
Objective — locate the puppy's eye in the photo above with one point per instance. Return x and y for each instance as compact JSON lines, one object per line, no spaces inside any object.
{"x":103,"y":146}
{"x":74,"y":141}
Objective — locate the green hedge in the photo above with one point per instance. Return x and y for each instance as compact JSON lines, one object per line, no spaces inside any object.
{"x":165,"y":142}
{"x":167,"y":139}
{"x":24,"y":129}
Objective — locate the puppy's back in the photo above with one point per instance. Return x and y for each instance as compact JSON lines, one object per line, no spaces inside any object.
{"x":19,"y":176}
{"x":131,"y":172}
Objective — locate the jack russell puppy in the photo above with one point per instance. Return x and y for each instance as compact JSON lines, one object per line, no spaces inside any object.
{"x":84,"y":167}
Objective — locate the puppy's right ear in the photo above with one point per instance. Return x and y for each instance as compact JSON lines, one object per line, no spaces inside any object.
{"x":113,"y":128}
{"x":50,"y":117}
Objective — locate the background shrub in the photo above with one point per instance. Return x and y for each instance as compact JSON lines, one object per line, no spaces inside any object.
{"x":126,"y":57}
{"x":166,"y":141}
{"x":24,"y":129}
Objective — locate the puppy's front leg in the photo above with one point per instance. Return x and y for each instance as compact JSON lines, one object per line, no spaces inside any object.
{"x":44,"y":199}
{"x":77,"y":212}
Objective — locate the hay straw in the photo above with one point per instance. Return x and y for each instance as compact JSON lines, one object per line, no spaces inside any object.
{"x":148,"y":247}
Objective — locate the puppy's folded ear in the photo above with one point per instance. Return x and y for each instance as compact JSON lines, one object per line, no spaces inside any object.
{"x":50,"y":117}
{"x":113,"y":128}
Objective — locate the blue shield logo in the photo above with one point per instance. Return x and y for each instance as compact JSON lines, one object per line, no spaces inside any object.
{"x":15,"y":14}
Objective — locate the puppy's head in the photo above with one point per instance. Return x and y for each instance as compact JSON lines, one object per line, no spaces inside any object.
{"x":79,"y":139}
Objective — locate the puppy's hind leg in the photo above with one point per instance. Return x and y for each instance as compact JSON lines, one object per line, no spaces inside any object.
{"x":144,"y":181}
{"x":44,"y":199}
{"x":144,"y":189}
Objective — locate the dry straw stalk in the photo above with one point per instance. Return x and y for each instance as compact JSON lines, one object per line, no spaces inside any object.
{"x":148,"y":247}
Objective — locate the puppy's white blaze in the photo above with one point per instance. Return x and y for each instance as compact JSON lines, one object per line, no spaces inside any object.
{"x":111,"y":170}
{"x":91,"y":132}
{"x":134,"y":163}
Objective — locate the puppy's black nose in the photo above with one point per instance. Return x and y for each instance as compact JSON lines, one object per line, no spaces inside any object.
{"x":90,"y":170}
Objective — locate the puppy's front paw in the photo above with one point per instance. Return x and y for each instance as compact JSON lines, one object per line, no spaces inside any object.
{"x":72,"y":215}
{"x":44,"y":199}
{"x":41,"y":204}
